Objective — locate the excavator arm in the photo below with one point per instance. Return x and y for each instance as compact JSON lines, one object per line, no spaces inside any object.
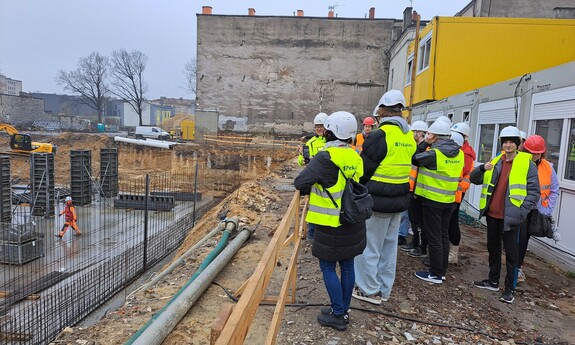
{"x":8,"y":129}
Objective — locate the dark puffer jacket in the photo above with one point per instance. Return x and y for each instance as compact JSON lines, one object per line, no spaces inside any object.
{"x":331,"y":244}
{"x":387,"y":197}
{"x":513,"y":215}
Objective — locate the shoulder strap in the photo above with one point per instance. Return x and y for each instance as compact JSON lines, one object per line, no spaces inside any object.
{"x":328,"y":193}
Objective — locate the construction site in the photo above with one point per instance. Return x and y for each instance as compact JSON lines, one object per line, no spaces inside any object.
{"x":122,"y":279}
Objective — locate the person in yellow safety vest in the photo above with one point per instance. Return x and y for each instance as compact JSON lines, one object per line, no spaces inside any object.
{"x":334,"y":243}
{"x":464,"y":130}
{"x":70,"y":218}
{"x":315,"y":143}
{"x":386,"y":157}
{"x":368,"y":124}
{"x":549,"y":189}
{"x":418,"y":245}
{"x":437,"y":178}
{"x":510,"y":191}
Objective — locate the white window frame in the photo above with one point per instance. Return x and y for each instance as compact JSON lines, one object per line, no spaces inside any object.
{"x":409,"y":70}
{"x":421,"y":56}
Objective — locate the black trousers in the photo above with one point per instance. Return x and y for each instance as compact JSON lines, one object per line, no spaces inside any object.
{"x":510,"y":239}
{"x":436,"y":224}
{"x":523,"y":240}
{"x":415,"y":213}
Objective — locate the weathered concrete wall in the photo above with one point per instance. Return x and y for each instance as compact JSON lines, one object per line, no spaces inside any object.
{"x":524,"y":8}
{"x":21,"y":111}
{"x":287,"y":69}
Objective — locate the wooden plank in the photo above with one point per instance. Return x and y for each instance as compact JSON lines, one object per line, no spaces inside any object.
{"x":278,"y":312}
{"x":15,"y":336}
{"x":241,"y":289}
{"x":33,"y":297}
{"x":237,"y":326}
{"x":4,"y":294}
{"x":220,"y":322}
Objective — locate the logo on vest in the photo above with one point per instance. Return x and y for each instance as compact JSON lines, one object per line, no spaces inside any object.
{"x":400,"y":144}
{"x":452,"y":161}
{"x":349,"y":167}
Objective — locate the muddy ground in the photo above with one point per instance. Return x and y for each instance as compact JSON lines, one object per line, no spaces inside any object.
{"x":417,"y":312}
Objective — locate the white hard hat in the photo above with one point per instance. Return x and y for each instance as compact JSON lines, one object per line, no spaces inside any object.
{"x":444,"y":119}
{"x":462,"y":128}
{"x":523,"y":135}
{"x":392,"y":98}
{"x":68,"y":198}
{"x":510,"y":132}
{"x":342,"y":124}
{"x":458,"y":138}
{"x":419,"y":126}
{"x":319,"y":119}
{"x":439,"y":128}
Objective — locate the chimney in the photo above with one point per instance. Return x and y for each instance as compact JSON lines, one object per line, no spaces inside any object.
{"x":300,"y":13}
{"x":330,"y":14}
{"x":407,"y":17}
{"x":372,"y":13}
{"x":207,"y":10}
{"x":251,"y":12}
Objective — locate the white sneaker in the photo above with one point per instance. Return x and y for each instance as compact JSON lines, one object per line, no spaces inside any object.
{"x":373,"y":299}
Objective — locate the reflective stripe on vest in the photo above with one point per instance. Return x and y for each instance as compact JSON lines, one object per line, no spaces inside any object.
{"x":395,"y":167}
{"x":464,"y":184}
{"x":544,"y":171}
{"x":517,"y":180}
{"x":321,"y":210}
{"x":440,"y":185}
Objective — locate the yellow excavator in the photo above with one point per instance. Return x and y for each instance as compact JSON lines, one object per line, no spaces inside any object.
{"x":22,"y":143}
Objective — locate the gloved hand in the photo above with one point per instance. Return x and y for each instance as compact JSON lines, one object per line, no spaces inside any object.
{"x":556,"y":235}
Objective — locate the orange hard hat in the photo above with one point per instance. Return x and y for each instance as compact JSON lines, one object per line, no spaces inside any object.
{"x":369,"y":121}
{"x":535,"y":144}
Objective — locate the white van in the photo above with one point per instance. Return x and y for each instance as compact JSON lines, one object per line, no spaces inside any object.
{"x":143,"y":132}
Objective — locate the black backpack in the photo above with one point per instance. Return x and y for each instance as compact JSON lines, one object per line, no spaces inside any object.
{"x":356,"y":202}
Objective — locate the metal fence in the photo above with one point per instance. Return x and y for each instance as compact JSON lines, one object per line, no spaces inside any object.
{"x":49,"y":282}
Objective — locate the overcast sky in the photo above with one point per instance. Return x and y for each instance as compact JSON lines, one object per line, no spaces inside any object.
{"x":39,"y":37}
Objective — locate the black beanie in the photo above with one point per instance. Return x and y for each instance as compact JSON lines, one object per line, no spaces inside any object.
{"x":516,"y":140}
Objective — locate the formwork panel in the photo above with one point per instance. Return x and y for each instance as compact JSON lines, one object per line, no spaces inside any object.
{"x":109,"y":172}
{"x":5,"y":190}
{"x":80,"y":177}
{"x":42,"y":177}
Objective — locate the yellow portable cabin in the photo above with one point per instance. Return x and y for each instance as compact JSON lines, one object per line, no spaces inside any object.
{"x":458,"y":54}
{"x":188,"y":129}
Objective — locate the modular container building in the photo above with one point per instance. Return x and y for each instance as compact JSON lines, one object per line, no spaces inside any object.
{"x":457,"y":54}
{"x":541,"y":102}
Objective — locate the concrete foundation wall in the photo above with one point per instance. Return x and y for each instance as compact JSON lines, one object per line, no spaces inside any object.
{"x":287,"y":69}
{"x":21,"y":111}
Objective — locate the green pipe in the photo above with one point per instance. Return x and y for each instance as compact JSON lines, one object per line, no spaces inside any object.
{"x":213,"y":254}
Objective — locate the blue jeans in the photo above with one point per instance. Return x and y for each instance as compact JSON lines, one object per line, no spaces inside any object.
{"x":310,"y":231}
{"x":339,"y":291}
{"x":404,"y":224}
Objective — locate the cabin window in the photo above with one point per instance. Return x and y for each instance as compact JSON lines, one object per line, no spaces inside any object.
{"x":409,"y":70}
{"x":570,"y":166}
{"x":424,"y":53}
{"x":489,"y":145}
{"x":551,"y":130}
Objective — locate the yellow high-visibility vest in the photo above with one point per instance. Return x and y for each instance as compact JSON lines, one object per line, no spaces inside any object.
{"x":314,"y":145}
{"x":517,"y":180}
{"x":395,"y":167}
{"x":321,"y":209}
{"x":440,"y":185}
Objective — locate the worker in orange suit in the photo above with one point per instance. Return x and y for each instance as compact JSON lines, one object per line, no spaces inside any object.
{"x":70,"y":217}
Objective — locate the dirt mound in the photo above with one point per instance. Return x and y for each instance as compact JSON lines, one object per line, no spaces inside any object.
{"x":174,"y":122}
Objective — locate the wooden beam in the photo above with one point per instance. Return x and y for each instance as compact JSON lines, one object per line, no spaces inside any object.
{"x":241,"y":289}
{"x":220,"y":322}
{"x":4,"y":294}
{"x":15,"y":336}
{"x":238,"y":324}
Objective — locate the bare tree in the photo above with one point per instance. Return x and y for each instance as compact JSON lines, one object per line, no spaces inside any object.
{"x":90,"y":80}
{"x":190,"y":72}
{"x":128,"y":79}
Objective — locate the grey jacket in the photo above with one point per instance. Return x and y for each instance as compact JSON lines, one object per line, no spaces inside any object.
{"x":513,"y":215}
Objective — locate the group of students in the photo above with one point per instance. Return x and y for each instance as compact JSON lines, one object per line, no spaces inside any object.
{"x":424,"y":171}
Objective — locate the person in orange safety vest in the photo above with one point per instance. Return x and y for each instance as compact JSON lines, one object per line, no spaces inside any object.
{"x":69,"y":213}
{"x":368,"y":124}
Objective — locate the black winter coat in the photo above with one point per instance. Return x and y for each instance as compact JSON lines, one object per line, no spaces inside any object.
{"x":387,"y":197}
{"x":331,"y":244}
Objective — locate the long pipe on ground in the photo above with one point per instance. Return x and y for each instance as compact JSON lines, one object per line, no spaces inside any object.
{"x":153,"y":143}
{"x":221,"y":226}
{"x":164,"y":322}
